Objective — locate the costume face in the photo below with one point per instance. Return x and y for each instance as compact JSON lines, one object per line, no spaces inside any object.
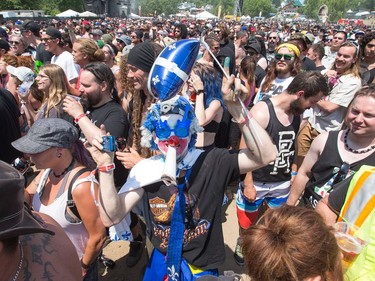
{"x":285,"y":63}
{"x":345,"y":58}
{"x":173,"y":130}
{"x":361,"y":116}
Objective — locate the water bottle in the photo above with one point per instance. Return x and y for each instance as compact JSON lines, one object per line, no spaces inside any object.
{"x":23,"y":89}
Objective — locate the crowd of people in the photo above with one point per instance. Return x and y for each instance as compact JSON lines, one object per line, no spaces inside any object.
{"x":76,"y":104}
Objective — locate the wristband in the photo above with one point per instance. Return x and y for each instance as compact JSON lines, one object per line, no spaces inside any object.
{"x":200,"y":92}
{"x":83,"y":265}
{"x":76,"y":120}
{"x":107,"y":168}
{"x":293,"y":173}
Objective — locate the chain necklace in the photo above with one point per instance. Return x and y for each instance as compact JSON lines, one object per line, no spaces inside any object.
{"x":19,"y":267}
{"x":354,"y":150}
{"x":66,"y":170}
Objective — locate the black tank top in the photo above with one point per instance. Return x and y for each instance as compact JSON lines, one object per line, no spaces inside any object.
{"x":284,"y":139}
{"x":327,"y":165}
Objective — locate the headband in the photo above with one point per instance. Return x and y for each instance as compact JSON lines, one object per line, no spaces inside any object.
{"x":291,"y":47}
{"x":110,"y":49}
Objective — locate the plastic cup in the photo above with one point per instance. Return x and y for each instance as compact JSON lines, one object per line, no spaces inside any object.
{"x":351,"y":241}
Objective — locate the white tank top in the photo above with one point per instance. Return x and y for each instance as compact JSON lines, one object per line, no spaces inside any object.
{"x":76,"y":232}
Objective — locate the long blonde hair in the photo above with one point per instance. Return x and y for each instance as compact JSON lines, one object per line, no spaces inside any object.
{"x":59,"y":87}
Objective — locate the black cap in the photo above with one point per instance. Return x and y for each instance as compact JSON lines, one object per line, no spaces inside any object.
{"x":32,"y":26}
{"x":4,"y":45}
{"x":53,"y":32}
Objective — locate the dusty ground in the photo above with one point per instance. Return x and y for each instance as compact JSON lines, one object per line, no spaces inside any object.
{"x":118,"y":251}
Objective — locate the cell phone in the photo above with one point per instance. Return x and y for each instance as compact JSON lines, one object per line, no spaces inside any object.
{"x":109,"y":143}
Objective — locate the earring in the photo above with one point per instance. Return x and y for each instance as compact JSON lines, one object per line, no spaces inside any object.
{"x":59,"y":155}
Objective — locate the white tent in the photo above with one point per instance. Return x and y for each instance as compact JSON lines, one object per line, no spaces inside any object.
{"x":134,"y":16}
{"x":88,"y":14}
{"x":363,"y":13}
{"x":205,"y":15}
{"x":68,"y":13}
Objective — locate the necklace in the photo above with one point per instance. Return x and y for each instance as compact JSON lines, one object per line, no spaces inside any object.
{"x":354,"y":150}
{"x":19,"y":267}
{"x":66,"y":170}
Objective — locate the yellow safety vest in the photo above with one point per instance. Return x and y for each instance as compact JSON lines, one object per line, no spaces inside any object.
{"x":359,"y":209}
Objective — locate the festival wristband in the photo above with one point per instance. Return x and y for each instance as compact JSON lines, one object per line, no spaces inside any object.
{"x":106,"y":168}
{"x":76,"y":120}
{"x":293,"y":173}
{"x":83,"y":265}
{"x":200,"y":92}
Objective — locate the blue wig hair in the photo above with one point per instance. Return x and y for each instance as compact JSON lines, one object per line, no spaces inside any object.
{"x":211,"y":82}
{"x":176,"y":105}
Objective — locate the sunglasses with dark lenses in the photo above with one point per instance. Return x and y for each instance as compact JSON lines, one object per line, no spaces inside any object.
{"x":272,"y":37}
{"x":251,"y":53}
{"x":14,"y":42}
{"x":285,"y":56}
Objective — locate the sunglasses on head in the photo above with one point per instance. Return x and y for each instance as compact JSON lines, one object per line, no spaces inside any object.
{"x":285,"y":56}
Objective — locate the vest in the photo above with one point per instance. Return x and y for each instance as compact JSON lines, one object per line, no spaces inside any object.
{"x":359,"y":209}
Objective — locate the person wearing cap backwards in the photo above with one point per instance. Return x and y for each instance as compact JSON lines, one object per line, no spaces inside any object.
{"x":281,"y":72}
{"x":64,"y":188}
{"x":32,"y":245}
{"x":171,"y":128}
{"x":52,"y":40}
{"x":31,"y":32}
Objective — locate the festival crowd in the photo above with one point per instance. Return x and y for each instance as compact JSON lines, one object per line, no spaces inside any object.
{"x":283,"y":112}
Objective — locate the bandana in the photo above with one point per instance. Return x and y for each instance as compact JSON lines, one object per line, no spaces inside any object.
{"x":290,"y":47}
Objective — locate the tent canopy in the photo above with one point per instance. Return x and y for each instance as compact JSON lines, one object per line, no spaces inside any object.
{"x":205,"y":15}
{"x":134,"y":16}
{"x":88,"y":14}
{"x":68,"y":13}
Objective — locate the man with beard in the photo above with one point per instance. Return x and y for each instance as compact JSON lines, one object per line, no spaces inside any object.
{"x":272,"y":43}
{"x":281,"y":72}
{"x":330,"y":51}
{"x":280,"y":117}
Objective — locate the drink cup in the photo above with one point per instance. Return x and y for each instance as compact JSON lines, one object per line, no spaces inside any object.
{"x":351,"y":241}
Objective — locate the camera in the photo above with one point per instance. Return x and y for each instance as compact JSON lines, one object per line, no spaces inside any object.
{"x":21,"y":164}
{"x":111,"y":144}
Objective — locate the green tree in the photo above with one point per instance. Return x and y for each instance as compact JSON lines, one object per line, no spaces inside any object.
{"x":254,"y":7}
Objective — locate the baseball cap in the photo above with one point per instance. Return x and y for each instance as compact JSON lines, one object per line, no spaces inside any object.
{"x":254,"y":46}
{"x":96,"y":32}
{"x":126,"y":39}
{"x":47,"y":133}
{"x":32,"y":26}
{"x":53,"y":32}
{"x":4,"y":45}
{"x":22,"y":73}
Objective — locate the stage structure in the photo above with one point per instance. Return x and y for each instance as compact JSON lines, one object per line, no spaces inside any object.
{"x":111,"y":8}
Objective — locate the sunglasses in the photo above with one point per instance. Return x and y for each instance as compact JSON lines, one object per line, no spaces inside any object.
{"x":272,"y":37}
{"x":133,"y":37}
{"x":217,"y":31}
{"x":14,"y":42}
{"x":251,"y":53}
{"x":285,"y":56}
{"x":46,"y":39}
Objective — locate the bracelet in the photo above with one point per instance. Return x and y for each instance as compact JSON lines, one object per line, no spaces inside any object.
{"x":200,"y":92}
{"x":83,"y":265}
{"x":293,"y":173}
{"x":107,"y":168}
{"x":248,"y":116}
{"x":76,"y":120}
